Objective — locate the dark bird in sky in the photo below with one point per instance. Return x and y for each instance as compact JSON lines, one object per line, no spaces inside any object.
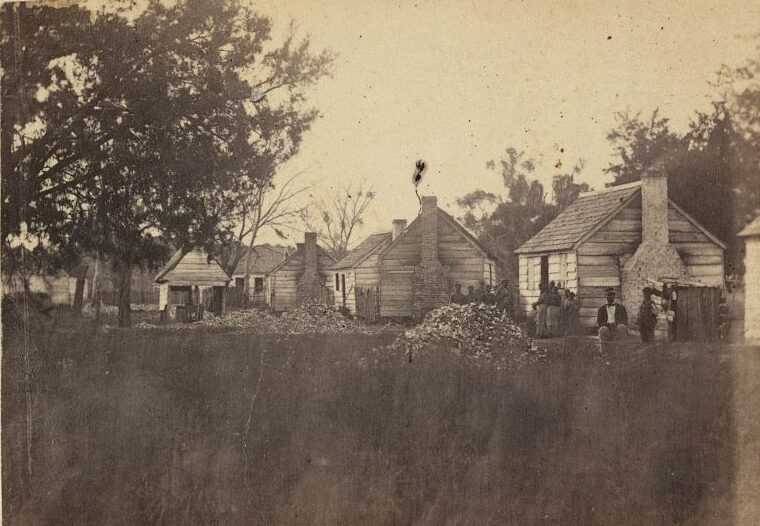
{"x":419,"y":167}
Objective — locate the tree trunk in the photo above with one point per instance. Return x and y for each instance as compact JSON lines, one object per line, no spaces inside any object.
{"x":124,"y":272}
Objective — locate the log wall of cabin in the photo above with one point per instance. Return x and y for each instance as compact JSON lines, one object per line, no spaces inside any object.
{"x":562,"y":271}
{"x":602,"y":257}
{"x":396,"y":269}
{"x":283,"y":283}
{"x":464,"y":264}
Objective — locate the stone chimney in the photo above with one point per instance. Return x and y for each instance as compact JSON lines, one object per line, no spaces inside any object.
{"x":429,"y":223}
{"x":655,"y":258}
{"x":654,"y":205}
{"x":398,"y":227}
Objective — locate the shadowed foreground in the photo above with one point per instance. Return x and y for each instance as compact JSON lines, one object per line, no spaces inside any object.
{"x":148,"y":427}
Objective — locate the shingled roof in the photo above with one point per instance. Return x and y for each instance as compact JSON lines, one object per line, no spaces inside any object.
{"x":266,"y":257}
{"x":578,"y":219}
{"x":364,"y":250}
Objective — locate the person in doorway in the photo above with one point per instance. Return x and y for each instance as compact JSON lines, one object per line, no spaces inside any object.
{"x":553,"y":310}
{"x":647,"y":316}
{"x":458,"y":297}
{"x":612,"y":319}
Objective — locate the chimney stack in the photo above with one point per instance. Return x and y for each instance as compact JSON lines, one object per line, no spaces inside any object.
{"x":654,"y":205}
{"x":429,"y":220}
{"x":398,"y":227}
{"x":310,"y":252}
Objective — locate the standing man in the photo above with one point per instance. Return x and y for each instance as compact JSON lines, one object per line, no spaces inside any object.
{"x":612,"y":319}
{"x":647,"y":316}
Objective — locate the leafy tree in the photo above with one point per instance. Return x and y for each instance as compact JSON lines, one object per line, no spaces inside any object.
{"x":503,"y":224}
{"x":163,"y":122}
{"x":708,"y":167}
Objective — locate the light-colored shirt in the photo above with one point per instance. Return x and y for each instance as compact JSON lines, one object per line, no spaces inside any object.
{"x":611,"y":313}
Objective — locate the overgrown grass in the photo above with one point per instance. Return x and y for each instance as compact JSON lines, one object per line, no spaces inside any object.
{"x":148,"y":427}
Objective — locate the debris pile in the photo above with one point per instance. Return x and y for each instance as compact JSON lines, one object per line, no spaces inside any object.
{"x":308,"y":318}
{"x":474,"y":330}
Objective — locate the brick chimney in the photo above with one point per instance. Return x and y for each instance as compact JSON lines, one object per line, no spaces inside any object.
{"x":398,"y":227}
{"x":310,"y":283}
{"x":310,"y":252}
{"x":430,"y":283}
{"x":429,"y":220}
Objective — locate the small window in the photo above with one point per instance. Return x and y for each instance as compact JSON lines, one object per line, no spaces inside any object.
{"x":258,"y":284}
{"x":239,"y":283}
{"x":337,"y":281}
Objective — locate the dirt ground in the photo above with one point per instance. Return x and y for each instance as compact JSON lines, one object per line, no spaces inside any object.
{"x":212,"y":427}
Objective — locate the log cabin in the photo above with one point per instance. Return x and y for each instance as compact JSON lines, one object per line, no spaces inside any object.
{"x":421,"y":265}
{"x":303,"y":275}
{"x":751,"y":235}
{"x":263,"y":260}
{"x":358,"y":273}
{"x":621,"y":237}
{"x":190,"y":278}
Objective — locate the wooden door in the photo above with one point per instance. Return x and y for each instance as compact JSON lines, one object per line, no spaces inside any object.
{"x":217,"y":301}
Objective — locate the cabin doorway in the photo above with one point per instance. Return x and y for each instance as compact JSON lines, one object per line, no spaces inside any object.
{"x":545,"y":271}
{"x":217,"y":301}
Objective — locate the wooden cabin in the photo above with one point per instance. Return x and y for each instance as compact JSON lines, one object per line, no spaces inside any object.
{"x":192,"y":278}
{"x":263,"y":260}
{"x":751,"y":235}
{"x":306,"y":274}
{"x":357,"y":275}
{"x":422,"y":264}
{"x":621,"y":237}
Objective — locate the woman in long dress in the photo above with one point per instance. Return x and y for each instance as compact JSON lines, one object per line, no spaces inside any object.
{"x":571,"y":315}
{"x":553,"y":311}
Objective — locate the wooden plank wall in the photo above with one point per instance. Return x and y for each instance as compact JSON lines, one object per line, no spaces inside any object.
{"x":601,"y":257}
{"x":562,"y":270}
{"x":465,"y":263}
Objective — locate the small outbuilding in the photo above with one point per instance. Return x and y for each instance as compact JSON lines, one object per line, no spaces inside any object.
{"x":264,"y":258}
{"x":357,"y":275}
{"x":191,"y":278}
{"x":304,"y":275}
{"x":621,"y":237}
{"x":751,"y":235}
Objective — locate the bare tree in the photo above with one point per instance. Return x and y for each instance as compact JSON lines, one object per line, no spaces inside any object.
{"x":264,"y":206}
{"x":336,"y":219}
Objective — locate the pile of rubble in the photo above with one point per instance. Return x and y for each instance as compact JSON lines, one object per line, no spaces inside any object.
{"x":308,"y":318}
{"x":474,"y":330}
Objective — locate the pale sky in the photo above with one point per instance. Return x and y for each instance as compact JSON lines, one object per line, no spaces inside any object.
{"x":455,"y":83}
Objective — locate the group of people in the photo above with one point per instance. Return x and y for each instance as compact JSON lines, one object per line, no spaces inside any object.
{"x":501,"y":296}
{"x":556,"y":313}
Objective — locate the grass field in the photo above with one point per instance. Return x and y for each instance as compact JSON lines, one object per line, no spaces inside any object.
{"x":162,"y":427}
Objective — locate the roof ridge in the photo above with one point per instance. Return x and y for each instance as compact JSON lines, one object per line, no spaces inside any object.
{"x":611,"y":188}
